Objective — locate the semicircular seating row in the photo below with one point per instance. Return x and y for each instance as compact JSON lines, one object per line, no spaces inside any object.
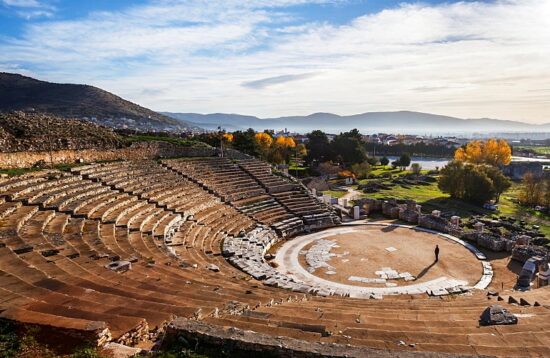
{"x":59,"y":231}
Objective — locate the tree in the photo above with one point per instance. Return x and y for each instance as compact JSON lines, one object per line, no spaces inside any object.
{"x":384,"y":161}
{"x":416,"y":168}
{"x":212,"y":138}
{"x":474,"y":183}
{"x":328,"y":169}
{"x":301,"y":150}
{"x":451,"y":179}
{"x":281,"y":149}
{"x":348,"y":148}
{"x":372,"y":160}
{"x":532,"y":190}
{"x":478,"y":188}
{"x":404,"y":160}
{"x":361,"y":170}
{"x":491,"y":152}
{"x":263,"y":141}
{"x":318,"y":147}
{"x":500,"y":182}
{"x":227,"y":137}
{"x":245,"y":142}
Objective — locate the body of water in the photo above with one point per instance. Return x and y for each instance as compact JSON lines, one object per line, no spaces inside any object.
{"x":428,"y":163}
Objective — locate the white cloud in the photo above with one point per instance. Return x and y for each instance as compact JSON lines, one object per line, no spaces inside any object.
{"x":271,"y":81}
{"x":469,"y":59}
{"x":29,"y":9}
{"x":21,"y":3}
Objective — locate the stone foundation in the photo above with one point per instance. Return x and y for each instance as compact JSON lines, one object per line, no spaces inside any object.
{"x":488,"y":241}
{"x":523,"y":253}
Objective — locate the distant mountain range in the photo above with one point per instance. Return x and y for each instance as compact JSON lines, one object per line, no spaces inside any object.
{"x":371,"y":122}
{"x":21,"y":93}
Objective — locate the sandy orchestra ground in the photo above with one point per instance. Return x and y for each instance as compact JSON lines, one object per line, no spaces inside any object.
{"x":364,"y":251}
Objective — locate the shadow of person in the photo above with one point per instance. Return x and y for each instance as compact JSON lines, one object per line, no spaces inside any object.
{"x":425,"y":270}
{"x":389,"y":228}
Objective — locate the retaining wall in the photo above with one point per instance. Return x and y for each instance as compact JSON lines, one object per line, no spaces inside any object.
{"x":137,"y":151}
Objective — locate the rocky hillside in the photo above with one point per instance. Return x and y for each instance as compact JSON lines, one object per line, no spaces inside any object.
{"x":20,"y":93}
{"x":32,"y":131}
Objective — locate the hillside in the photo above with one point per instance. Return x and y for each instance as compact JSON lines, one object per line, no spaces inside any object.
{"x":32,"y":131}
{"x":20,"y":93}
{"x":401,"y":122}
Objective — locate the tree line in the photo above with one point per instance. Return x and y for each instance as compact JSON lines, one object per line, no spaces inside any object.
{"x":421,"y":148}
{"x":264,"y":145}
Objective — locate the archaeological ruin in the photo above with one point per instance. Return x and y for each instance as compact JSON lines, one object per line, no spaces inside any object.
{"x":230,"y":253}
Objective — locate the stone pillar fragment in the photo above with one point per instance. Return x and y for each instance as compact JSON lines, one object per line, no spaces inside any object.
{"x":356,"y":213}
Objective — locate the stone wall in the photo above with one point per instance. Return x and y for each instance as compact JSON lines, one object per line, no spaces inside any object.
{"x":489,"y":241}
{"x":137,"y":151}
{"x":523,"y":253}
{"x":241,"y":343}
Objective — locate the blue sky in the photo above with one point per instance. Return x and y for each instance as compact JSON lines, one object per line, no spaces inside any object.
{"x":282,"y":57}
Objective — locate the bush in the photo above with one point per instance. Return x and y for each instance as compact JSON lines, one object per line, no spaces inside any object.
{"x":361,"y":170}
{"x":416,"y":168}
{"x":372,"y":160}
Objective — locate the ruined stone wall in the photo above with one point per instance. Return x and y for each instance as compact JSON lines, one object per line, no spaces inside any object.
{"x":241,"y":343}
{"x":489,"y":241}
{"x":434,"y":223}
{"x":137,"y":151}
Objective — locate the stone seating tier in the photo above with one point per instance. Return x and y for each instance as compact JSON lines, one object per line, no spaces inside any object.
{"x":252,"y":196}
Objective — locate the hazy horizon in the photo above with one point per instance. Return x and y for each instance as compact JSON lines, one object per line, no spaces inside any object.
{"x":273,"y":58}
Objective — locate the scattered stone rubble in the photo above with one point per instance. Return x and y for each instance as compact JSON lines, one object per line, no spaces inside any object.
{"x":497,"y":315}
{"x":21,"y":131}
{"x":247,"y":253}
{"x":119,"y":266}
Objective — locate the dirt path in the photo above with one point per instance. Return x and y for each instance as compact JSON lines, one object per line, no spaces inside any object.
{"x":351,"y":194}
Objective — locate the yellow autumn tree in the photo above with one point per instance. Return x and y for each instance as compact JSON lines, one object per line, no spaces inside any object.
{"x":280,"y":141}
{"x":491,"y":152}
{"x":281,"y":150}
{"x":290,"y":143}
{"x":263,"y":141}
{"x":227,"y":137}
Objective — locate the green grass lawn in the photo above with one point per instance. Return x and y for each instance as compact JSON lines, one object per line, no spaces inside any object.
{"x":380,"y":170}
{"x":18,"y":171}
{"x":509,"y":206}
{"x":335,"y":193}
{"x":431,"y":198}
{"x":61,"y":167}
{"x":180,"y":141}
{"x":542,"y":150}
